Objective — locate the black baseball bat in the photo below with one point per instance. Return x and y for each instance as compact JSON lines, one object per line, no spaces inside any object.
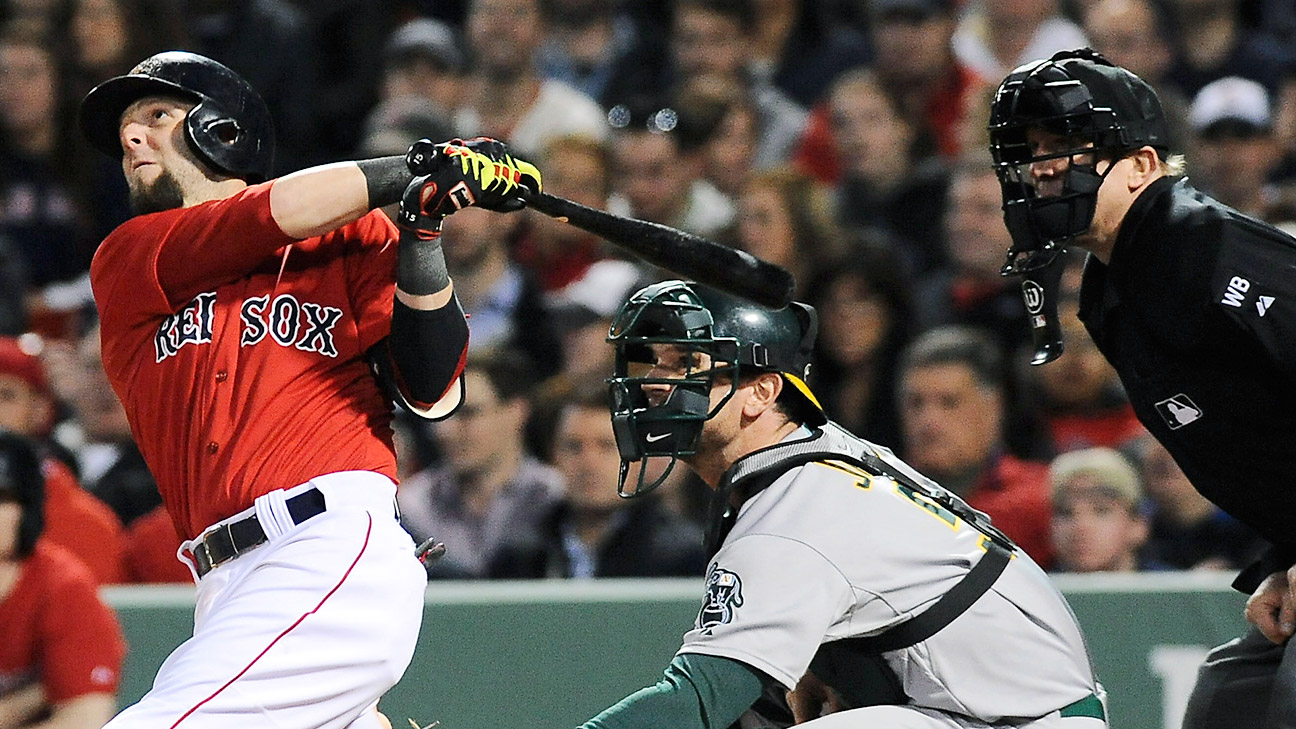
{"x":729,"y":269}
{"x":693,"y":257}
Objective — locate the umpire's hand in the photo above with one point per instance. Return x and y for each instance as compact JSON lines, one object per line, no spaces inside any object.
{"x":1272,"y":607}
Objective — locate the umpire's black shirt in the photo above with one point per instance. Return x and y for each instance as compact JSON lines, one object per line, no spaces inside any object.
{"x":1196,"y":310}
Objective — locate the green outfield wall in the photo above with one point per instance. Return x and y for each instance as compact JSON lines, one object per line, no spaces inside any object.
{"x":550,"y":654}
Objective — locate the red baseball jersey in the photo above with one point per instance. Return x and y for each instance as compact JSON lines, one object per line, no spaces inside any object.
{"x":57,"y":631}
{"x":238,"y":352}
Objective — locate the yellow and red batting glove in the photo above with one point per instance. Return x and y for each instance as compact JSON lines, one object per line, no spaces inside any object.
{"x":459,"y":174}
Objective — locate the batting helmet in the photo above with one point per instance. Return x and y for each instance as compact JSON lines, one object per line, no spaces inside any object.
{"x":22,"y":482}
{"x":1097,"y":107}
{"x":739,"y":337}
{"x":230,"y":128}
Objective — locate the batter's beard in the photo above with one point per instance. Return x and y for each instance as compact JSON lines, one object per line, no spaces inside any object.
{"x":163,"y":194}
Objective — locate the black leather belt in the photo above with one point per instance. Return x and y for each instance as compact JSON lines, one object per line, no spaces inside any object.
{"x":228,"y":541}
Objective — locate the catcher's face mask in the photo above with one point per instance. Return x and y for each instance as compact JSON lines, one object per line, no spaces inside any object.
{"x":666,"y":369}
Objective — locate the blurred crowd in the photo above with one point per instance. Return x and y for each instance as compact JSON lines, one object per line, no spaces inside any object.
{"x":842,"y":139}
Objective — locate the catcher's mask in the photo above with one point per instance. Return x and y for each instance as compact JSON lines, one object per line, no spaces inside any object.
{"x":682,"y":340}
{"x":1100,"y":112}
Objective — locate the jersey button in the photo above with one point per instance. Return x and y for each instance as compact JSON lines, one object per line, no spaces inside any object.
{"x":212,"y":447}
{"x":222,"y":376}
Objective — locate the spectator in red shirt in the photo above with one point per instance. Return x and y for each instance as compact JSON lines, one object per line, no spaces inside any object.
{"x":151,"y":544}
{"x":1081,"y":400}
{"x":61,"y":656}
{"x":952,"y":416}
{"x":556,"y":253}
{"x":73,"y":516}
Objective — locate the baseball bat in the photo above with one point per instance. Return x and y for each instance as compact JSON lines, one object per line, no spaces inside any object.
{"x":693,"y":257}
{"x":729,"y":269}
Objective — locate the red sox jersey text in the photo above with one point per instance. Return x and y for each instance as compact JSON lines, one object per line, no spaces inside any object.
{"x":239,"y":353}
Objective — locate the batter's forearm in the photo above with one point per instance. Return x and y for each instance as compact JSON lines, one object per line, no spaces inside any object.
{"x":321,"y":199}
{"x":421,"y":272}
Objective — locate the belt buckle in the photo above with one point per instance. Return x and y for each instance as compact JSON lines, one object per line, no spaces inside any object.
{"x":213,"y":560}
{"x":202,"y":559}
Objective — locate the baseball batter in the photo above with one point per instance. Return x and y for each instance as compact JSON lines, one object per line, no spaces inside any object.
{"x":843,"y":583}
{"x":256,"y":335}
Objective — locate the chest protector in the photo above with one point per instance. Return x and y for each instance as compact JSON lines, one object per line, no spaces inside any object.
{"x":853,"y":667}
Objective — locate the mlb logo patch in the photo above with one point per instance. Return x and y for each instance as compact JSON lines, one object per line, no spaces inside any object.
{"x":1178,"y":411}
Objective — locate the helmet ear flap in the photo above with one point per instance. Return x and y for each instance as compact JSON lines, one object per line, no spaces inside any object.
{"x":809,"y":320}
{"x":222,"y":141}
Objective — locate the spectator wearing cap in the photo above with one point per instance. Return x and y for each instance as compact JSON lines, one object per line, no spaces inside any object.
{"x":582,"y":314}
{"x":1098,"y":522}
{"x":61,"y":646}
{"x":1235,"y":151}
{"x":73,"y":517}
{"x":422,"y":80}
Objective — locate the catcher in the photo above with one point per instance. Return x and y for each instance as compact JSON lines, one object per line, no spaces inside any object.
{"x":841,"y":579}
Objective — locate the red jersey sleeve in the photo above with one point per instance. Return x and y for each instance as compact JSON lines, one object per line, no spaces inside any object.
{"x":83,"y":647}
{"x":163,"y":260}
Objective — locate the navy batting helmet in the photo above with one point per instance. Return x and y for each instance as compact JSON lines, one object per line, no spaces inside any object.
{"x":230,"y":128}
{"x":22,"y":482}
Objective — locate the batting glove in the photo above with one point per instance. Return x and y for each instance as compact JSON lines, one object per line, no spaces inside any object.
{"x":480,"y":172}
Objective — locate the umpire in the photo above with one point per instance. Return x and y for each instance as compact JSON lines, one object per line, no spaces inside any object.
{"x":1193,"y":303}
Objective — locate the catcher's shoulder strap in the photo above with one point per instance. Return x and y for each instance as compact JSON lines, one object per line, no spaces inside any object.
{"x":831,"y":442}
{"x":759,"y":470}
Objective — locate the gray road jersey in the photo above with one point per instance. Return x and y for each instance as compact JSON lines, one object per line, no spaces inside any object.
{"x":828,"y":552}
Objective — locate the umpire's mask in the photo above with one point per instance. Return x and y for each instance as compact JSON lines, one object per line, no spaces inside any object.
{"x":1102,"y":111}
